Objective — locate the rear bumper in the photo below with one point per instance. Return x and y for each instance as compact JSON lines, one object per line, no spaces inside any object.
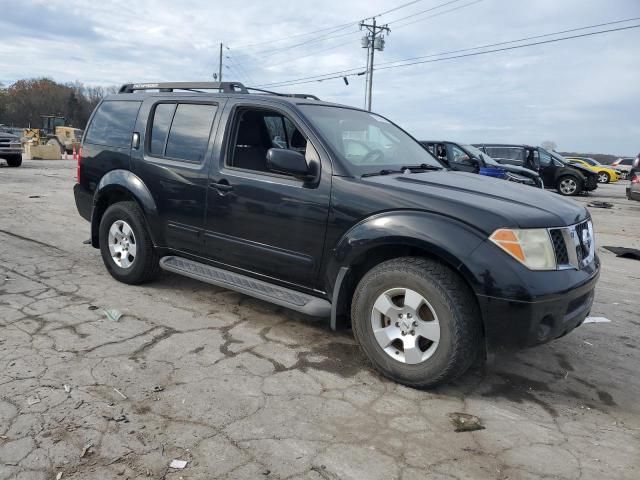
{"x":84,"y":201}
{"x":516,"y":324}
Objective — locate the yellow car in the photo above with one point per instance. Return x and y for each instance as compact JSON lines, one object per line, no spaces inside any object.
{"x":605,"y":174}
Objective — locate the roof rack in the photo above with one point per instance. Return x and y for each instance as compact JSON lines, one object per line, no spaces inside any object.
{"x":225,"y":87}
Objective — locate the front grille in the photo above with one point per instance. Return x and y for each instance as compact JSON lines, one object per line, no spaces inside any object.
{"x":559,"y":247}
{"x":574,"y":246}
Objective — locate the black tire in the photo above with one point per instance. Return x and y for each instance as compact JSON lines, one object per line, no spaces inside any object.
{"x":145,"y":265}
{"x":606,"y":178}
{"x":14,"y":160}
{"x":569,"y":178}
{"x":461,"y":339}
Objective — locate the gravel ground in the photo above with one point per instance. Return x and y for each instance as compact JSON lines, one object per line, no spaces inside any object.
{"x":242,"y":389}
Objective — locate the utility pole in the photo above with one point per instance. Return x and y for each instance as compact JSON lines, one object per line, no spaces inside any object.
{"x":220,"y":65}
{"x":372,"y":42}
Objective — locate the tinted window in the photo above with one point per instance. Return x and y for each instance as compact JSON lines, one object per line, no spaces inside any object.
{"x":545,"y":159}
{"x":513,"y":155}
{"x":113,"y":123}
{"x":161,"y":123}
{"x":189,"y":133}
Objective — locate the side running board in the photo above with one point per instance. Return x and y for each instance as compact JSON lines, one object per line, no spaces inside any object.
{"x":282,"y":296}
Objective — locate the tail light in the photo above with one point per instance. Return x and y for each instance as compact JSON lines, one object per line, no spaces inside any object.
{"x":635,"y":179}
{"x":79,"y":165}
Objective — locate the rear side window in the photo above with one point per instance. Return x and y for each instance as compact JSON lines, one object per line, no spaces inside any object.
{"x":161,"y":123}
{"x":514,"y":155}
{"x":181,"y":131}
{"x":112,"y":125}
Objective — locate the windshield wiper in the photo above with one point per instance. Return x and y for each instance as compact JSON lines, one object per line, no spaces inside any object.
{"x":385,"y":171}
{"x":404,"y":169}
{"x":422,"y":166}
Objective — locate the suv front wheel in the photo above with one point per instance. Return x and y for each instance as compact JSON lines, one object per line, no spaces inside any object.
{"x":126,"y":247}
{"x":569,"y":185}
{"x":417,"y":321}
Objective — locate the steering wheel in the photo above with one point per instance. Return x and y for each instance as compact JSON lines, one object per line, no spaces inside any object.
{"x":372,"y":156}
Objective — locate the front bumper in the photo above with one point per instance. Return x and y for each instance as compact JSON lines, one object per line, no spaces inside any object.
{"x":520,"y":307}
{"x":10,"y":151}
{"x":515,"y":324}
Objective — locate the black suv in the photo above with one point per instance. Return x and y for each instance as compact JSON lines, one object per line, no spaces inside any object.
{"x":467,"y":158}
{"x":332,"y":211}
{"x":556,"y":172}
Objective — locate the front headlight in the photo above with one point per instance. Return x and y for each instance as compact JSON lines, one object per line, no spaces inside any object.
{"x":531,"y":247}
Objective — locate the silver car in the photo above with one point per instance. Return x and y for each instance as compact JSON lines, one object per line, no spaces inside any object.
{"x":633,"y":190}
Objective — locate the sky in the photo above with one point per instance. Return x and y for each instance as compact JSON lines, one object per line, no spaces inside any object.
{"x":583,"y":94}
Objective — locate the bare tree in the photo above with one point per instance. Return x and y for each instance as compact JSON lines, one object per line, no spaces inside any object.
{"x":549,"y":145}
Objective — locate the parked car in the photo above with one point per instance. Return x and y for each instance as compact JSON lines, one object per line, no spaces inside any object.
{"x":555,"y":171}
{"x":11,"y":149}
{"x":624,"y":166}
{"x":354,"y":221}
{"x":633,"y":190}
{"x":467,"y":158}
{"x":605,"y":173}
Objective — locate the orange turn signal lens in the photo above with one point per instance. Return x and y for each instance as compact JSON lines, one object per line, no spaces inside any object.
{"x":508,"y":241}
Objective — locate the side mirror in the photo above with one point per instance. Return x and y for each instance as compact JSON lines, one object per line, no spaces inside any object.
{"x":469,"y":161}
{"x":290,"y":162}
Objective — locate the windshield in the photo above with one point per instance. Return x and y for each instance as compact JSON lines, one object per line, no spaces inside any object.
{"x":559,"y":160}
{"x":367,"y":142}
{"x":476,"y":152}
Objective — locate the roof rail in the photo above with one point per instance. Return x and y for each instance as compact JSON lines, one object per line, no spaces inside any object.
{"x":224,"y":87}
{"x":291,"y":95}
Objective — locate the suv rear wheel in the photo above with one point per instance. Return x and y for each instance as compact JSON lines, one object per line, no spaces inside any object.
{"x":569,"y":185}
{"x":126,"y":247}
{"x":416,"y":321}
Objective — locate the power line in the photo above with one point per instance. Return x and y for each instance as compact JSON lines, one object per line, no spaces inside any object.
{"x":424,"y":11}
{"x":431,"y":16}
{"x":408,"y":4}
{"x":351,"y":72}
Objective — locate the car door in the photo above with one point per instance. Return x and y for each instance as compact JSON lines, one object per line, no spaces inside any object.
{"x":460,"y":160}
{"x":261,"y":221}
{"x":548,"y":168}
{"x":172,"y":161}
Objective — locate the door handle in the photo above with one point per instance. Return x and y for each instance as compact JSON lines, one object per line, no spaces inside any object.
{"x":221,"y":186}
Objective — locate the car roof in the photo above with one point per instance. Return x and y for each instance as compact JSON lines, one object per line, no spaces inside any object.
{"x":518,"y":145}
{"x":273,"y":98}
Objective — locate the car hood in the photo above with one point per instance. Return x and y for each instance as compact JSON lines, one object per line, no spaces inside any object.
{"x":483,"y":202}
{"x":9,"y":135}
{"x":582,"y":169}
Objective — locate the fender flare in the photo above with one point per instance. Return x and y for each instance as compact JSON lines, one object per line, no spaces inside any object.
{"x":442,"y":237}
{"x":127,"y":183}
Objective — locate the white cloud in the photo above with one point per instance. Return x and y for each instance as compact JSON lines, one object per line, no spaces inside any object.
{"x":581,"y":93}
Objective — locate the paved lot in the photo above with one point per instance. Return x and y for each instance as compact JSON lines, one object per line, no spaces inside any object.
{"x":242,"y":389}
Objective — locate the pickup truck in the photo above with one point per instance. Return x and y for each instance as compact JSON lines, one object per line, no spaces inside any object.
{"x":335,"y":212}
{"x":10,"y":149}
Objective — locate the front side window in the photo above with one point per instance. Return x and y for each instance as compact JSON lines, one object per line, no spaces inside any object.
{"x":366,"y":142}
{"x":112,"y":124}
{"x":457,"y":155}
{"x":258,"y":130}
{"x":545,"y":159}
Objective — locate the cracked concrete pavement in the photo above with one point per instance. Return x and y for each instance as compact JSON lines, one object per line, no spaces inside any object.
{"x":245,"y":390}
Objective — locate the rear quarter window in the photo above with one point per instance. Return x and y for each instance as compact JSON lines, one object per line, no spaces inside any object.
{"x":112,"y":124}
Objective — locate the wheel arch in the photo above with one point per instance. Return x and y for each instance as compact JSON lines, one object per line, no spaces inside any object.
{"x":120,"y":186}
{"x":406,"y":234}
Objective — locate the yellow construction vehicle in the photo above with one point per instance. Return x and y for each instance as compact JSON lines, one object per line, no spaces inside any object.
{"x":54,"y":131}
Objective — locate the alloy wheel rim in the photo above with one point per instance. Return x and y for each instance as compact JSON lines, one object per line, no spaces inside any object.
{"x":122,"y":244}
{"x":405,"y":325}
{"x":568,"y":186}
{"x":602,"y":178}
